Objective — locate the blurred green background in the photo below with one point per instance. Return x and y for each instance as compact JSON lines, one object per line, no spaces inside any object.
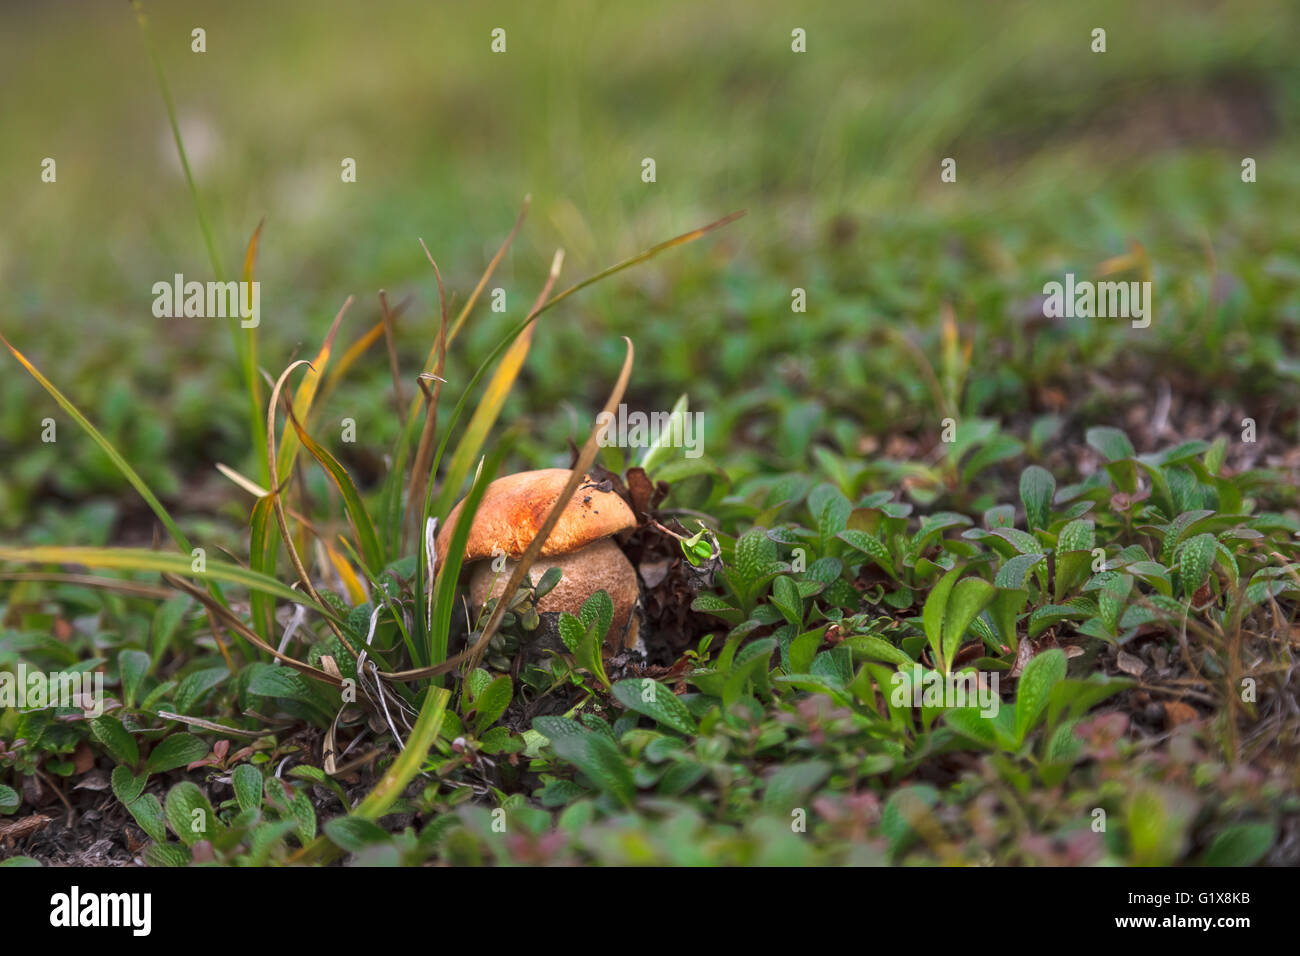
{"x":1064,"y":157}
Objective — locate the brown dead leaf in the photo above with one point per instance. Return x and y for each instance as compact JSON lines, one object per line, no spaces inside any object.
{"x":970,"y":652}
{"x":1130,"y":664}
{"x":24,"y":827}
{"x":654,"y":572}
{"x":96,"y":780}
{"x":1023,"y":653}
{"x":1177,"y":713}
{"x":83,"y":758}
{"x":641,"y":491}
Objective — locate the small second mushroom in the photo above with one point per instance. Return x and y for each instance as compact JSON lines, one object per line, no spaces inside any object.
{"x":581,"y":545}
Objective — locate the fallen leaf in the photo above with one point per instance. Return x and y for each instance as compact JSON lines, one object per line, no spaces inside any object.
{"x":83,"y":758}
{"x":95,"y":780}
{"x":25,"y":827}
{"x":1130,"y":664}
{"x":1178,"y":713}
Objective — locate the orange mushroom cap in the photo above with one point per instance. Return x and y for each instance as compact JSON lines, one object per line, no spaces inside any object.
{"x":514,"y":508}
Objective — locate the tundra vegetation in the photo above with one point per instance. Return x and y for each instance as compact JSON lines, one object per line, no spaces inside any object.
{"x":932,"y":573}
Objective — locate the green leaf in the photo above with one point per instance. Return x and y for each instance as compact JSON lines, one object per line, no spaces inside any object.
{"x":1111,"y":442}
{"x":932,"y":613}
{"x":1195,"y":562}
{"x":10,"y":799}
{"x":801,"y":651}
{"x":132,"y":665}
{"x":785,"y":596}
{"x":588,"y":654}
{"x":1012,"y":574}
{"x":971,"y":724}
{"x":499,"y":740}
{"x":1044,"y":617}
{"x":598,"y":758}
{"x":598,"y":609}
{"x":1021,"y":541}
{"x":999,"y":448}
{"x":189,"y":813}
{"x":572,"y":631}
{"x":792,"y":785}
{"x":750,"y":666}
{"x":1036,"y":489}
{"x":709,"y":603}
{"x":492,"y":703}
{"x":870,"y":546}
{"x":755,"y":554}
{"x":1064,"y":745}
{"x":1157,"y":822}
{"x":1177,"y":528}
{"x":662,"y":449}
{"x":197,"y":684}
{"x":1078,"y":535}
{"x":247,"y":781}
{"x":969,"y":597}
{"x":353,"y":834}
{"x":176,"y":751}
{"x":269,"y":680}
{"x":1077,"y":697}
{"x":1003,"y":611}
{"x":303,"y":815}
{"x":1036,"y":682}
{"x":162,"y":854}
{"x":873,"y":649}
{"x":120,"y":744}
{"x":1112,"y":598}
{"x":148,"y":813}
{"x":830,"y":509}
{"x":657,"y":701}
{"x":550,"y":578}
{"x":1072,"y":568}
{"x":904,"y":808}
{"x":1242,"y":844}
{"x":127,"y":786}
{"x":166,"y":620}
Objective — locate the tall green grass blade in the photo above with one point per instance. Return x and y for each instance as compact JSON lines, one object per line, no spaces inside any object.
{"x":445,"y":582}
{"x":263,"y":548}
{"x":367,"y":539}
{"x":142,"y":559}
{"x":306,"y":393}
{"x":114,"y":455}
{"x":245,"y":349}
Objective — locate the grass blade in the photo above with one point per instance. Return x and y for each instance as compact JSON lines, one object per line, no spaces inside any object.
{"x":489,"y":406}
{"x":127,"y":471}
{"x":306,"y":395}
{"x":142,"y":559}
{"x":367,"y":539}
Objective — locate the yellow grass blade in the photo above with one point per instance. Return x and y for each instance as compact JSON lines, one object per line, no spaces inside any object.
{"x":306,"y":394}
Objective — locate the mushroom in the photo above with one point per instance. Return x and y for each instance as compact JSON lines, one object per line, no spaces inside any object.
{"x":511,"y":513}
